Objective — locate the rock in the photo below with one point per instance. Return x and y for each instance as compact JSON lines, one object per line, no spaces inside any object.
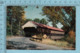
{"x":44,"y":36}
{"x":34,"y":36}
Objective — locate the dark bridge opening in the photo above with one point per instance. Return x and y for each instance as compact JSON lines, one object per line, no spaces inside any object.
{"x":29,"y":31}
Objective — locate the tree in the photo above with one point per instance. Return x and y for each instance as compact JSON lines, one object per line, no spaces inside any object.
{"x":43,"y":21}
{"x":64,"y":15}
{"x":36,"y":20}
{"x":28,"y":20}
{"x":15,"y":18}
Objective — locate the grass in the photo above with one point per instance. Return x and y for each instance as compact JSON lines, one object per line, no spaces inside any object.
{"x":58,"y":43}
{"x":12,"y":36}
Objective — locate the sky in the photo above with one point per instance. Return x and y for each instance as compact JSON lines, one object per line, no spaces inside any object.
{"x":32,"y":12}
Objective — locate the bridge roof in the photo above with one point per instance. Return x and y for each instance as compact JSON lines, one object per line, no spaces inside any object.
{"x":46,"y":26}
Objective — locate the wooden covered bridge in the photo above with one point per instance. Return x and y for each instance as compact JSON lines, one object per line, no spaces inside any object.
{"x":31,"y":28}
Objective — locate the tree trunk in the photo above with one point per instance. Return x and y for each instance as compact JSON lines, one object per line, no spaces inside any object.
{"x":19,"y":29}
{"x":11,"y":27}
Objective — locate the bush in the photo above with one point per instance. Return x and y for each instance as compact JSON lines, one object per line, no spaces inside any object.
{"x":71,"y":37}
{"x":40,"y":35}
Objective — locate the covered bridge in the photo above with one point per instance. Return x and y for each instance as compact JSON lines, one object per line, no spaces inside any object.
{"x":30,"y":28}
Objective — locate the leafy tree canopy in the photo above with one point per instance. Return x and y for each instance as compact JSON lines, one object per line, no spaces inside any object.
{"x":64,"y":15}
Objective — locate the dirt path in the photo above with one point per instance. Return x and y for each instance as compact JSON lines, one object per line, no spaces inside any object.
{"x":26,"y":43}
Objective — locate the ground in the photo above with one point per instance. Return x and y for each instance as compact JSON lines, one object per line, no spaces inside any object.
{"x":26,"y":44}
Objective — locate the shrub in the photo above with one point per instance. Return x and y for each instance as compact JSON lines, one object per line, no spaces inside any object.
{"x":71,"y":37}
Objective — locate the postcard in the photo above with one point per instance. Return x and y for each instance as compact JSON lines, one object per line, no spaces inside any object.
{"x":39,"y":26}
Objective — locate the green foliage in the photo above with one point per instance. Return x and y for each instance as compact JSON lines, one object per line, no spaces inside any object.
{"x":28,"y":20}
{"x":43,"y":21}
{"x":66,"y":16}
{"x":70,"y":40}
{"x":37,"y":20}
{"x":15,"y":19}
{"x":60,"y":14}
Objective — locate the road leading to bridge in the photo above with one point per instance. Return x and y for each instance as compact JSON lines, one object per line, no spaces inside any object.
{"x":26,"y":44}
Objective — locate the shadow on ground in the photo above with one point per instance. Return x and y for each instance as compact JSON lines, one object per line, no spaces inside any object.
{"x":22,"y":46}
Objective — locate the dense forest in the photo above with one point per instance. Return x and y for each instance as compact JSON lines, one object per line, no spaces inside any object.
{"x":15,"y":18}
